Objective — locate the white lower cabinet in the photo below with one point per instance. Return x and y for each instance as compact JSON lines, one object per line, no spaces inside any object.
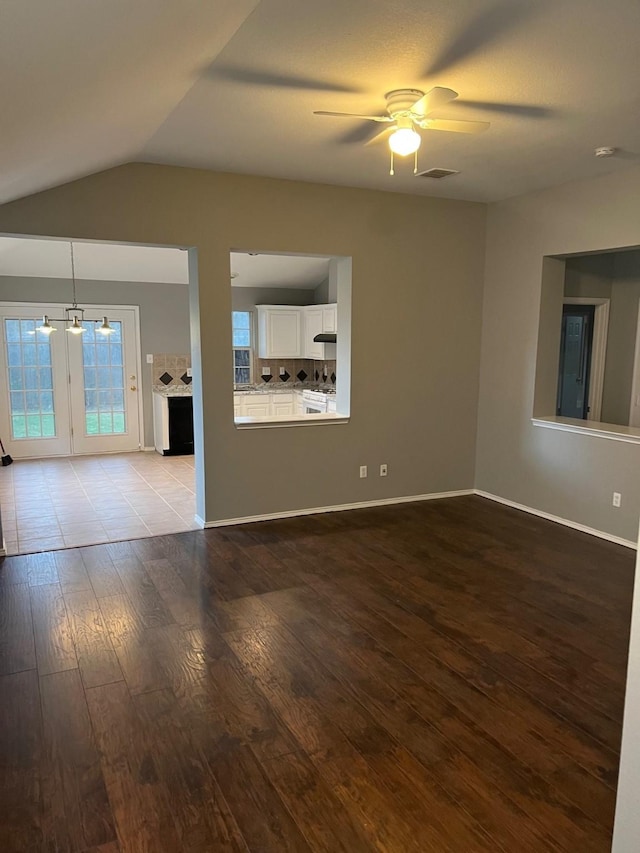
{"x":282,"y":405}
{"x":258,"y":408}
{"x":267,"y":405}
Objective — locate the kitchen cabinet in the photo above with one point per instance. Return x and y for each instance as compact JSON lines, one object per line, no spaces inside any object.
{"x":265,"y":405}
{"x":330,"y":318}
{"x":319,"y":319}
{"x":287,"y":331}
{"x":279,"y":331}
{"x":313,"y":327}
{"x":257,"y":406}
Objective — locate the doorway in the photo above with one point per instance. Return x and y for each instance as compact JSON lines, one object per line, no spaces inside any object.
{"x":575,"y":361}
{"x":64,"y":394}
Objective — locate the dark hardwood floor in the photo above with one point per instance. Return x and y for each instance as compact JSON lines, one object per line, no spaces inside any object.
{"x":445,"y":676}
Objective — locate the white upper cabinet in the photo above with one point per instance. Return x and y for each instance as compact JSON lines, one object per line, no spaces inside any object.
{"x":312,"y":327}
{"x":318,"y":319}
{"x":330,"y":318}
{"x":279,"y":331}
{"x":286,"y":331}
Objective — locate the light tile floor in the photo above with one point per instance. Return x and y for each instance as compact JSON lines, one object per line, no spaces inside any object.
{"x":84,"y":500}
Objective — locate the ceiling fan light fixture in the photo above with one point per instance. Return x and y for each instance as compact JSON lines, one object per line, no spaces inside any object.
{"x":404,"y":141}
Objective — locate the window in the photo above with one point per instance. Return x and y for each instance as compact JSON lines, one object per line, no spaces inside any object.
{"x":241,"y":338}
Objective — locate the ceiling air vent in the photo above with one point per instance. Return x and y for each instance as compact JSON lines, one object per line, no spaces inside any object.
{"x":437,"y":173}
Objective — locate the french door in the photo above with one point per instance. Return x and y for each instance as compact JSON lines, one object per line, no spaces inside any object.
{"x":63,"y":394}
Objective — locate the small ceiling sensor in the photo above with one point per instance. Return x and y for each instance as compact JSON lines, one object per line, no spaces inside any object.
{"x":604,"y":151}
{"x":235,"y":274}
{"x":253,"y":254}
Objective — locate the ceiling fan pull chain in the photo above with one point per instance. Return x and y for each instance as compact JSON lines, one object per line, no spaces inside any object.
{"x":391,"y":172}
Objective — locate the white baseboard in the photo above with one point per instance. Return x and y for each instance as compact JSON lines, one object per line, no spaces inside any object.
{"x":248,"y":519}
{"x":3,"y":548}
{"x":147,"y":449}
{"x":601,"y":534}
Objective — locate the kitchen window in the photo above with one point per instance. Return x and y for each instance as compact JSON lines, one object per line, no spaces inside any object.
{"x":241,"y":331}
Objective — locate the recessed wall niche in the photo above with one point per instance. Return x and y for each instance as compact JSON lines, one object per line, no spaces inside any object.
{"x":588,"y":364}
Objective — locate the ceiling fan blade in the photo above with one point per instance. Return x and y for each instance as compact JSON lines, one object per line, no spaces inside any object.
{"x":381,"y":136}
{"x":455,"y":126}
{"x":524,"y":110}
{"x":487,"y":28}
{"x":352,"y":115}
{"x":433,"y":100}
{"x":270,"y":80}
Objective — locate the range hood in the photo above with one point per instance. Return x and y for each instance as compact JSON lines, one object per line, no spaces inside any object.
{"x":325,"y":338}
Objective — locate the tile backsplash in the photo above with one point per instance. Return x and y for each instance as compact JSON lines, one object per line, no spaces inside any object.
{"x":299,"y":371}
{"x":171,"y":370}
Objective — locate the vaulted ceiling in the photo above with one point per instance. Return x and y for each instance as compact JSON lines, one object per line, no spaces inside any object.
{"x":231,"y":85}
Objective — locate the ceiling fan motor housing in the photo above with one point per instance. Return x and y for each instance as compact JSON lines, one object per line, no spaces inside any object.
{"x":401,"y":100}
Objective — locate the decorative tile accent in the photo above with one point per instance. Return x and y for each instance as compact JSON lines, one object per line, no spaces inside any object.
{"x":186,"y":379}
{"x":284,"y":376}
{"x":266,"y":377}
{"x":333,"y":378}
{"x":317,"y":375}
{"x":166,"y":378}
{"x":301,"y":375}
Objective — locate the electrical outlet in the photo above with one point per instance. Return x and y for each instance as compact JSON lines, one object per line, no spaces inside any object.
{"x":149,"y":358}
{"x":189,"y":371}
{"x":383,"y":469}
{"x":617,"y":499}
{"x":363,"y":472}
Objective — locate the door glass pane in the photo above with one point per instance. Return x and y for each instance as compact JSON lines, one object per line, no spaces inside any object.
{"x":29,"y":377}
{"x":103,"y":386}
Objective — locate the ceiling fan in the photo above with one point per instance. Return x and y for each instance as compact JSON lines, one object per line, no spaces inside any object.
{"x":409,"y":110}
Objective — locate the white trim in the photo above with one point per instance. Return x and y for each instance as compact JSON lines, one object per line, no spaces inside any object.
{"x":601,"y":534}
{"x":634,"y":403}
{"x":136,"y":313}
{"x":270,"y":421}
{"x":3,"y":549}
{"x":270,"y":516}
{"x":613,"y":432}
{"x":200,"y":522}
{"x":598,"y":350}
{"x":147,"y":449}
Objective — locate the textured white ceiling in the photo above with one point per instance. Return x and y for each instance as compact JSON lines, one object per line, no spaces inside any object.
{"x":290,"y":271}
{"x":216,"y":86}
{"x":98,"y":261}
{"x":86,"y":84}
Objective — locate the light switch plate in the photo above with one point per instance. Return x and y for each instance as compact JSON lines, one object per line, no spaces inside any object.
{"x":149,"y":358}
{"x":189,"y":373}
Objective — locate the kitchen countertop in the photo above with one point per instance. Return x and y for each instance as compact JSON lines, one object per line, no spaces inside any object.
{"x":166,"y":392}
{"x":282,"y":389}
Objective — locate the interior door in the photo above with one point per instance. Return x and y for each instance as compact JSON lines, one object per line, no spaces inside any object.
{"x":34,"y":391}
{"x":575,"y":361}
{"x":104,"y":386}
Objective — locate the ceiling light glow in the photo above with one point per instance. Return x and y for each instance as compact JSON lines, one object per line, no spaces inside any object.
{"x":404,"y":141}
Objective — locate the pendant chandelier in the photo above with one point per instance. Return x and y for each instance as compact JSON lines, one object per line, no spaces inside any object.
{"x":74,"y":318}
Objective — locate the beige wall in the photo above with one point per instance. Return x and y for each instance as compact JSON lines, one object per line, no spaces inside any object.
{"x":568,"y":475}
{"x":417,"y":301}
{"x":623,"y":324}
{"x":164,"y":315}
